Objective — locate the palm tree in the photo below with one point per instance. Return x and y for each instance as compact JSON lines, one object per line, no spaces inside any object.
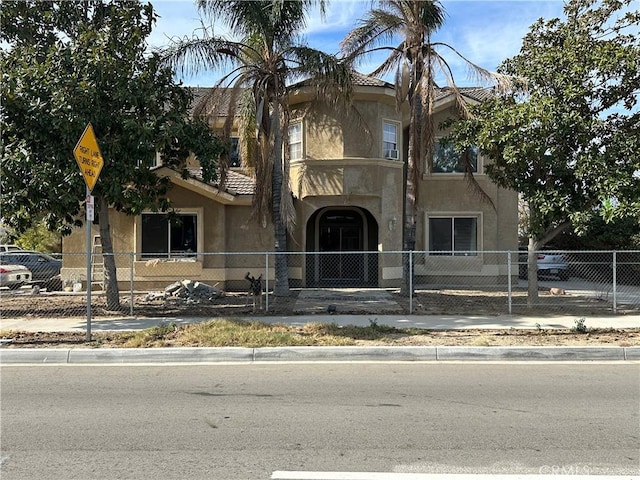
{"x":416,"y":61}
{"x":267,"y":58}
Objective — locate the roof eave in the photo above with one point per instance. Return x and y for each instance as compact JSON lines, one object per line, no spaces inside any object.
{"x":205,"y":189}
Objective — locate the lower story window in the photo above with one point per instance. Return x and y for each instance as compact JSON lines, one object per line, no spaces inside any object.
{"x":163,"y":237}
{"x":453,"y":236}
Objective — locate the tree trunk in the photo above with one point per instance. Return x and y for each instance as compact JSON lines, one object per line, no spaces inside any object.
{"x":281,"y":287}
{"x":532,"y":271}
{"x":110,"y":279}
{"x":409,"y":243}
{"x":410,"y":206}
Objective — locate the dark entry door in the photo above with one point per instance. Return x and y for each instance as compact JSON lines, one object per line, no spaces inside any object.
{"x":341,"y":231}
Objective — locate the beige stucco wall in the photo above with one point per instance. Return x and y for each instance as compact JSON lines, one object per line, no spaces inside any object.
{"x":342,"y":168}
{"x":452,"y":195}
{"x":358,"y":134}
{"x":222,"y":229}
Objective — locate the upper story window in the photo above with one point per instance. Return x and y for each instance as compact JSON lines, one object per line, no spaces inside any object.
{"x":453,"y":236}
{"x":447,"y":160}
{"x":295,"y":141}
{"x":155,"y":162}
{"x":390,"y":140}
{"x":234,"y":156}
{"x":164,"y":239}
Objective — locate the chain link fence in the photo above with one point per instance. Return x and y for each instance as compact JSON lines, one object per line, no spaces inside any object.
{"x":478,"y":283}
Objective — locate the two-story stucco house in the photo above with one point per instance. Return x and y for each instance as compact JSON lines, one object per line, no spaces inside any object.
{"x":348,"y":189}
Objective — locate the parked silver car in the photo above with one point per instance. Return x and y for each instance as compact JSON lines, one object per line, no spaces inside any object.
{"x":14,"y":276}
{"x":44,"y":268}
{"x":550,"y":263}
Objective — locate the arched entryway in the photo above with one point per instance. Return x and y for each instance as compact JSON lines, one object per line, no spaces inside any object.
{"x":337,"y":235}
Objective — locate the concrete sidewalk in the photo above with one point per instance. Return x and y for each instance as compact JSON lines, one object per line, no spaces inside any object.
{"x":200,"y":355}
{"x":430,"y":322}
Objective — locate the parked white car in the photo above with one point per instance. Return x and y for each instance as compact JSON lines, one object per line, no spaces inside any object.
{"x":45,"y":270}
{"x":14,"y":276}
{"x":550,"y":263}
{"x":9,"y":248}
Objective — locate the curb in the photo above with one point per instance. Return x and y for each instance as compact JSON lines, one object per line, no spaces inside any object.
{"x":312,"y":354}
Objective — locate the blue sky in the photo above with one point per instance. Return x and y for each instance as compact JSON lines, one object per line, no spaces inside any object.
{"x":486,"y":32}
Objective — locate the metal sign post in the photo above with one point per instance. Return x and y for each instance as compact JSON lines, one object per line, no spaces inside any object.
{"x":89,"y":158}
{"x":89,"y":261}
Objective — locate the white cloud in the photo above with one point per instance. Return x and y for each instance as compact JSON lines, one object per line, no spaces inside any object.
{"x":340,"y":17}
{"x":489,"y":32}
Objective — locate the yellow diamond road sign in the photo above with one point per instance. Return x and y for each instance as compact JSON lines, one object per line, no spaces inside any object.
{"x":88,"y":156}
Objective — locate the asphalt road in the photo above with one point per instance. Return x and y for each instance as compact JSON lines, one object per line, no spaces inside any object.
{"x":249,"y":421}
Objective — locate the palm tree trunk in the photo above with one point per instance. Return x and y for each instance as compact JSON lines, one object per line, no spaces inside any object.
{"x":281,"y":287}
{"x":110,"y":278}
{"x":410,"y":205}
{"x":409,"y":244}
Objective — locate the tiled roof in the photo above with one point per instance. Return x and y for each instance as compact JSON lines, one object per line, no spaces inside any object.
{"x":475,"y":93}
{"x":219,"y":100}
{"x":236,"y":183}
{"x":359,"y":80}
{"x":367,"y":81}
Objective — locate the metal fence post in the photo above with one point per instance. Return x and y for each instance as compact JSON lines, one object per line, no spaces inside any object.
{"x":131,"y":283}
{"x":266,"y":281}
{"x":509,"y":287}
{"x":615,"y":289}
{"x":410,"y":281}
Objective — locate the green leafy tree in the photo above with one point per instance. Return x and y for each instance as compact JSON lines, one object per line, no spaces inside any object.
{"x":417,"y":60}
{"x":268,"y":56}
{"x":570,"y":146}
{"x":618,"y":234}
{"x":40,"y":238}
{"x":65,"y":64}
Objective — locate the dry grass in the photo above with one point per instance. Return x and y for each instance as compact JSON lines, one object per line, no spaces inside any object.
{"x":227,"y":332}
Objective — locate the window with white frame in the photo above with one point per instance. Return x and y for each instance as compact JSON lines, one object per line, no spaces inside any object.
{"x":163,"y":236}
{"x":295,"y":141}
{"x":390,"y":140}
{"x":155,"y":162}
{"x":447,"y":160}
{"x":457,"y":236}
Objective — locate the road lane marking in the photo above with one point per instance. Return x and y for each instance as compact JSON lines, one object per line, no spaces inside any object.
{"x":301,"y":475}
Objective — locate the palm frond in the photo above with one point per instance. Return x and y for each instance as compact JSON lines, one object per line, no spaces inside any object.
{"x":389,"y":64}
{"x":378,"y":27}
{"x":427,"y":101}
{"x":402,"y":83}
{"x":263,"y":165}
{"x":248,"y":136}
{"x":196,"y":55}
{"x":503,"y":83}
{"x":274,"y":20}
{"x":472,"y":182}
{"x":330,"y":77}
{"x":287,"y":209}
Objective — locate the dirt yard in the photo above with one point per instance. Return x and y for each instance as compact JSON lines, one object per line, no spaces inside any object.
{"x":477,"y":338}
{"x":234,"y":305}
